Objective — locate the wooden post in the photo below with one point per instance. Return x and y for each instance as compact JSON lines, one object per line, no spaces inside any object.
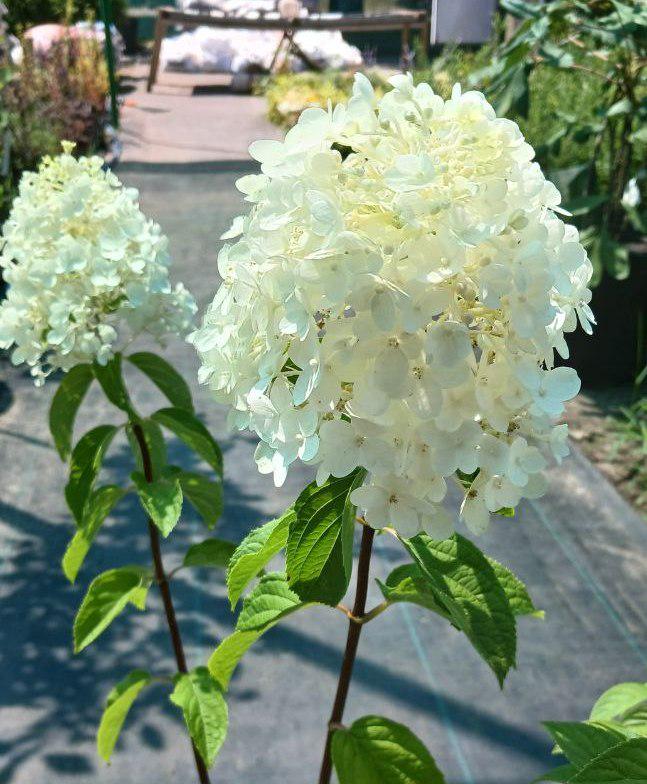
{"x":161,"y":23}
{"x":106,"y":13}
{"x":405,"y":54}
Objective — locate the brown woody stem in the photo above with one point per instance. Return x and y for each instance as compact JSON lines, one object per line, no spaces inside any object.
{"x":352,"y":641}
{"x":162,"y":580}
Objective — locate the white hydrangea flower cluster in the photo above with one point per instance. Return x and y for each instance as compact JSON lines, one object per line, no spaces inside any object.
{"x":394,"y":300}
{"x":85,"y":268}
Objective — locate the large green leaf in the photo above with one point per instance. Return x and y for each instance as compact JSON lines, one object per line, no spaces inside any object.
{"x":625,"y":706}
{"x":375,"y":750}
{"x":619,"y":701}
{"x":107,"y":596}
{"x":206,"y":496}
{"x":112,"y":382}
{"x":225,"y":658}
{"x":165,"y":377}
{"x":161,"y":499}
{"x":188,"y":428}
{"x":212,"y":552}
{"x":515,"y":590}
{"x":203,"y":704}
{"x":561,"y":773}
{"x":466,"y":583}
{"x":118,"y":704}
{"x":407,"y":583}
{"x":254,"y":553}
{"x":625,"y":763}
{"x":99,"y":505}
{"x":271,"y":600}
{"x":87,"y":457}
{"x":320,"y":541}
{"x":581,"y":742}
{"x":65,"y":405}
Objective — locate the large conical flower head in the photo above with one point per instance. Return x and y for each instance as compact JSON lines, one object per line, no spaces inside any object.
{"x":87,"y":271}
{"x":395,"y":299}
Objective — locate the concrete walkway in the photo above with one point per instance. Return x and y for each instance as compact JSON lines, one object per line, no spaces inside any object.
{"x":581,"y":550}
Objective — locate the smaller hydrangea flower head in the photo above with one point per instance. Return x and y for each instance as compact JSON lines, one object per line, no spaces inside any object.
{"x":395,"y":299}
{"x":86,"y":270}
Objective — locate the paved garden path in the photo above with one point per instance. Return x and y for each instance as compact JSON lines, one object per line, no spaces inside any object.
{"x":581,"y":550}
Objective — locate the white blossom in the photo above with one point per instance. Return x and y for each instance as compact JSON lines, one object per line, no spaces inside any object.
{"x":631,"y":194}
{"x":86,"y":270}
{"x":394,"y":300}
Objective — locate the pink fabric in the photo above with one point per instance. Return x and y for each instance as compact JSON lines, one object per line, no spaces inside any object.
{"x":44,"y":36}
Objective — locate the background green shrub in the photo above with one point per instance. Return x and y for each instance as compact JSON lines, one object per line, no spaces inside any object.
{"x":25,"y":13}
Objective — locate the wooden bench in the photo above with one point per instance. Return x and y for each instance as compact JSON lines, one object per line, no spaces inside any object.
{"x":402,"y":20}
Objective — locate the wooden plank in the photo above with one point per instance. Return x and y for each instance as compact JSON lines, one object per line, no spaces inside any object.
{"x":351,"y":22}
{"x":403,"y":20}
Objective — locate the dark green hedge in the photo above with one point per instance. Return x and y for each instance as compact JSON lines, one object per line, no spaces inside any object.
{"x":25,"y":13}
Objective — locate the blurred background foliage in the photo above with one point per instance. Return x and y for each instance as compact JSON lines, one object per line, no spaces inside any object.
{"x":25,"y":13}
{"x":46,"y":99}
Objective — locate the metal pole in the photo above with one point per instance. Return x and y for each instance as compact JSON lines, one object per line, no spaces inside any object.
{"x":106,"y":14}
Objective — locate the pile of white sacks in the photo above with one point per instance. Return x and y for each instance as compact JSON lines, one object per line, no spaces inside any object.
{"x":238,"y":51}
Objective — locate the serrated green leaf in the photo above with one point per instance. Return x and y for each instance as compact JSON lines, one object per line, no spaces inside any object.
{"x":467,"y":585}
{"x":255,"y":552}
{"x":271,"y":600}
{"x":407,"y":583}
{"x":580,"y":742}
{"x":99,"y":505}
{"x":154,"y":439}
{"x":188,"y":428}
{"x":85,"y":464}
{"x":619,"y":701}
{"x":225,"y":658}
{"x":203,"y":705}
{"x":165,"y":377}
{"x":320,"y":541}
{"x":161,"y":499}
{"x":118,"y":705}
{"x":625,"y":763}
{"x":515,"y":590}
{"x":625,"y":706}
{"x":111,"y":380}
{"x":107,"y":596}
{"x":374,"y":749}
{"x":65,"y":405}
{"x":561,"y":773}
{"x":212,"y":552}
{"x":205,"y":495}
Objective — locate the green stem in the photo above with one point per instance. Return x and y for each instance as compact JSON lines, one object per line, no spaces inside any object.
{"x":162,"y":580}
{"x":352,"y":641}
